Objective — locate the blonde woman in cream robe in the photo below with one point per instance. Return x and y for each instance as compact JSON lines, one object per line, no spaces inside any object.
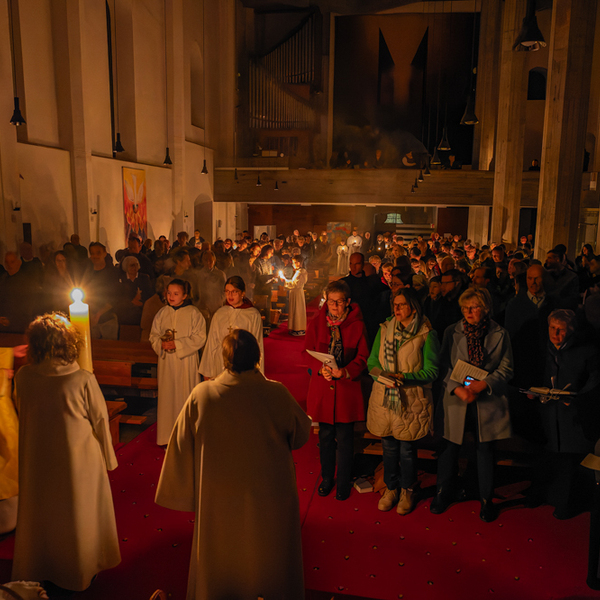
{"x":66,"y":528}
{"x":406,"y":352}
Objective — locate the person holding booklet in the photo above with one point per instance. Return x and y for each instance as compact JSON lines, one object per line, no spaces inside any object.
{"x":404,"y":363}
{"x":334,"y":394}
{"x":479,"y":405}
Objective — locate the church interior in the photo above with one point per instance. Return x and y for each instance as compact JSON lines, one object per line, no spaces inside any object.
{"x":399,"y":116}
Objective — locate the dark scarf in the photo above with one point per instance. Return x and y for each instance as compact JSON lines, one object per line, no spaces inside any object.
{"x":245,"y":304}
{"x":186,"y":302}
{"x":475,"y":335}
{"x":336,"y":348}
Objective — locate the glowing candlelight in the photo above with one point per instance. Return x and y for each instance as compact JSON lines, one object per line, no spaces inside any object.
{"x":281,"y":274}
{"x":80,"y":317}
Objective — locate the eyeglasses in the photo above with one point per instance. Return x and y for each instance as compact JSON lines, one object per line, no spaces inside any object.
{"x":468,"y":309}
{"x":336,"y":302}
{"x":401,"y":305}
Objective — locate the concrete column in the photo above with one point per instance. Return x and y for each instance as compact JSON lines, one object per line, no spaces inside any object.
{"x":488,"y":80}
{"x":593,"y":127}
{"x":176,"y":96}
{"x":81,"y":151}
{"x":10,"y":235}
{"x":567,"y":103}
{"x":510,"y":134}
{"x":479,"y":224}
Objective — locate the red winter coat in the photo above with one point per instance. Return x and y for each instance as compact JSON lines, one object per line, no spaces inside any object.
{"x":341,"y":400}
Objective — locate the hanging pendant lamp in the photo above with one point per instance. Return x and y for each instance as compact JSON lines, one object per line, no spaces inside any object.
{"x":258,"y":183}
{"x":17,"y":118}
{"x":444,"y":144}
{"x":530,"y":38}
{"x":469,"y":117}
{"x":435,"y":159}
{"x":167,"y":160}
{"x":118,"y":145}
{"x":204,"y":169}
{"x":420,"y":178}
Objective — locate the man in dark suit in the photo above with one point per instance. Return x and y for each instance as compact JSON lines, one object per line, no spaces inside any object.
{"x":526,"y":321}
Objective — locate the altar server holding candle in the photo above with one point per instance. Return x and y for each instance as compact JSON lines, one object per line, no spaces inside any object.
{"x":178,"y":332}
{"x":297,"y":318}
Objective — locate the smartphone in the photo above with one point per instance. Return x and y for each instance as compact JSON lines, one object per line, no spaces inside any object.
{"x":469,"y":380}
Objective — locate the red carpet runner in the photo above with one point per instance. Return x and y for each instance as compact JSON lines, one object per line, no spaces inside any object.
{"x":350,"y":548}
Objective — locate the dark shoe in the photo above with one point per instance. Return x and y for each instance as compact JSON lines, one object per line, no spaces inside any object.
{"x":326,"y":486}
{"x":343,"y":493}
{"x":489,"y":511}
{"x":441,"y":502}
{"x":563,"y":513}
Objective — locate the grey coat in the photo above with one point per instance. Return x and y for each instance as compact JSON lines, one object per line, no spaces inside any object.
{"x":492,"y":408}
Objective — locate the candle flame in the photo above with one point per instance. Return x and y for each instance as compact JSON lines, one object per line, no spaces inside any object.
{"x":77,"y":295}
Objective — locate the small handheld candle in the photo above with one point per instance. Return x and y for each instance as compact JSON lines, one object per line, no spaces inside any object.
{"x":281,"y":274}
{"x":80,"y":317}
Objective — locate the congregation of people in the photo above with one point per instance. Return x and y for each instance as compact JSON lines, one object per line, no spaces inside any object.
{"x":398,"y":321}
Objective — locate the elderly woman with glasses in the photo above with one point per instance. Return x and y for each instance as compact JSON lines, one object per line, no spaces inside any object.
{"x":335,"y":398}
{"x":478,"y":404}
{"x":570,"y":422}
{"x":406,"y":354}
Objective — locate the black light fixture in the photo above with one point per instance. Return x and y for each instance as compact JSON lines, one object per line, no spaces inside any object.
{"x":167,"y":160}
{"x":427,"y":172}
{"x":117,"y":147}
{"x":258,"y":183}
{"x":444,"y":143}
{"x":204,"y":169}
{"x":235,"y":175}
{"x":469,"y":117}
{"x":17,"y":118}
{"x":412,"y":189}
{"x":530,"y":37}
{"x":276,"y":187}
{"x":435,"y":159}
{"x":420,"y":178}
{"x":416,"y":183}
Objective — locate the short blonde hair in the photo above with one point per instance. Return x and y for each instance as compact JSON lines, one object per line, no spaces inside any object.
{"x":481,"y":295}
{"x":53,"y":336}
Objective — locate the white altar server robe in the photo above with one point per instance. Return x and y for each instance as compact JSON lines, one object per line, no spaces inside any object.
{"x":297,"y":303}
{"x":224,"y":321}
{"x":177,"y":371}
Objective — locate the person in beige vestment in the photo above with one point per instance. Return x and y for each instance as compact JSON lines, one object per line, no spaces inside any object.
{"x":230,"y":460}
{"x":66,"y":529}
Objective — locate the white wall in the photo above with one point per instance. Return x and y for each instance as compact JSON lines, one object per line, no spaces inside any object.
{"x":46,"y":194}
{"x":149,"y":65}
{"x":96,"y":85}
{"x":38,"y":72}
{"x":107,"y":195}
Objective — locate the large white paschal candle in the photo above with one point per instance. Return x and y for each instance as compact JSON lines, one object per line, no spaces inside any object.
{"x":80,"y":317}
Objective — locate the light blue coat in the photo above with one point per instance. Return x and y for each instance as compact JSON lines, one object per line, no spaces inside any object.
{"x":492,"y":408}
